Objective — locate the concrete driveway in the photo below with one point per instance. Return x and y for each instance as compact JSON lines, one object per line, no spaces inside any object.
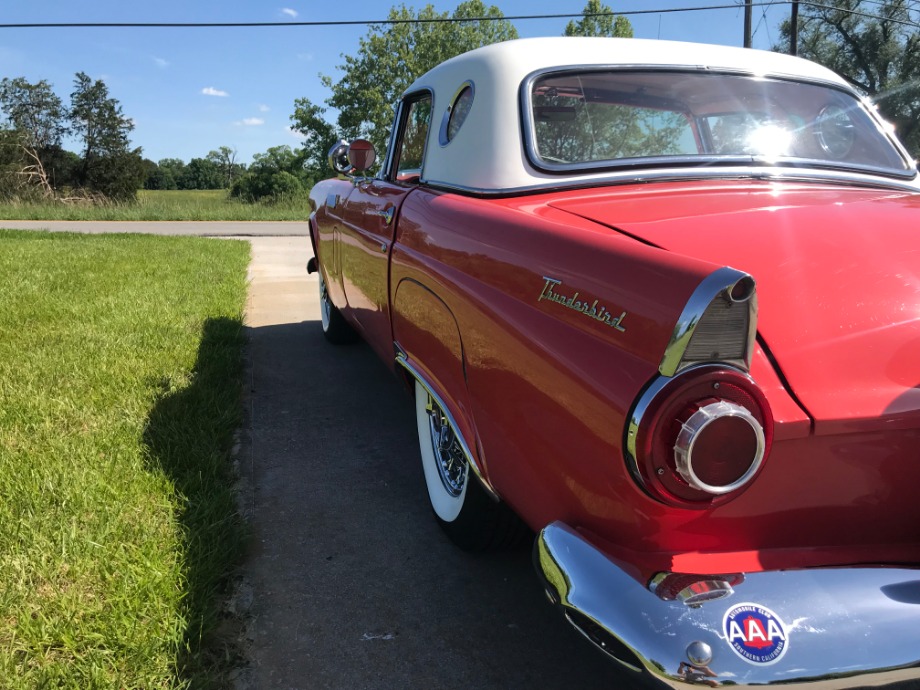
{"x":350,"y":583}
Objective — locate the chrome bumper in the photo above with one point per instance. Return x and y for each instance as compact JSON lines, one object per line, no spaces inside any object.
{"x":840,"y":627}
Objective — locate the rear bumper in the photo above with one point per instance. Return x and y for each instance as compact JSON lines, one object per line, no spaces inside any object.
{"x":828,"y":628}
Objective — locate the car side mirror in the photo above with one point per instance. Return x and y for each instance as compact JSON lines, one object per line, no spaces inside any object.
{"x":361,"y":154}
{"x":347,"y":158}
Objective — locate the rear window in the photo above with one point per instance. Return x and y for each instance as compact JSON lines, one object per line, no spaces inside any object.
{"x":593,"y":119}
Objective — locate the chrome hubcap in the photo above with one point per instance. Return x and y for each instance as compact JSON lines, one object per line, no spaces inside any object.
{"x":448,"y":453}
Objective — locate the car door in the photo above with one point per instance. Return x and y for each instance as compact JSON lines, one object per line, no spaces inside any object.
{"x":370,"y":216}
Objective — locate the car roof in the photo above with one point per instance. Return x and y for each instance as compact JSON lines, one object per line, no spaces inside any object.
{"x":487,"y":155}
{"x":520,"y":57}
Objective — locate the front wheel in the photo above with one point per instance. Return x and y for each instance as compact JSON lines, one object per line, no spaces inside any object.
{"x":336,"y":329}
{"x":461,"y":505}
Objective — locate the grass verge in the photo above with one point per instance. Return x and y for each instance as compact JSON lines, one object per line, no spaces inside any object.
{"x":194,"y":205}
{"x":120,"y":375}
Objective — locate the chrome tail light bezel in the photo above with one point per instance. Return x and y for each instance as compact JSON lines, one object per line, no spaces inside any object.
{"x":659,"y":417}
{"x":718,"y":324}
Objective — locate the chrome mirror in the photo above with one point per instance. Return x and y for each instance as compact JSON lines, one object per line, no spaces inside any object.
{"x":338,"y":157}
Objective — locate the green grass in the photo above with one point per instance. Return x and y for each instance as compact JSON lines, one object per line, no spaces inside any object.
{"x":212,"y":205}
{"x":120,"y":381}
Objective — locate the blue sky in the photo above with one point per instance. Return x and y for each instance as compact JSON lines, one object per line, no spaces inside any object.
{"x":190,"y":91}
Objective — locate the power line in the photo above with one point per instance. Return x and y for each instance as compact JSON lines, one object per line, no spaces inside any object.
{"x":357,"y":22}
{"x":857,"y":13}
{"x":432,"y":20}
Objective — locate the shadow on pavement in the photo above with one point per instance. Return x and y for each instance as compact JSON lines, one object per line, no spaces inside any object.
{"x":353,"y":585}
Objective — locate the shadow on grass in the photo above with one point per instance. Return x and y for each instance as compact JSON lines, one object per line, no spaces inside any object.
{"x":189,"y":436}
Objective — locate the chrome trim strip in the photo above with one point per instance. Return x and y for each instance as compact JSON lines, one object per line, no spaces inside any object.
{"x":720,"y":281}
{"x":697,"y":174}
{"x":403,"y":361}
{"x":844,"y":627}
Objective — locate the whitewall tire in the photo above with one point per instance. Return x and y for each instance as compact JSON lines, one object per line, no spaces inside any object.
{"x":469,"y":516}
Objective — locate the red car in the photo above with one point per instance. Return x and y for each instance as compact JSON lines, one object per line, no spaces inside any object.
{"x":660,"y":304}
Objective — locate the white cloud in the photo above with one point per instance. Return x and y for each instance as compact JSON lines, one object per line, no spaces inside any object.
{"x":211,"y":91}
{"x":160,"y":62}
{"x":252,"y":121}
{"x":306,"y":57}
{"x":293,"y":132}
{"x":263,"y":108}
{"x":289,"y":12}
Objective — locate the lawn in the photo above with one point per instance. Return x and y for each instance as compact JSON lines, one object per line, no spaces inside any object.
{"x":212,"y":205}
{"x":120,"y":383}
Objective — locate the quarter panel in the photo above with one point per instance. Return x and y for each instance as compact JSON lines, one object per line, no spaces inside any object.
{"x":549,"y":386}
{"x":550,"y":389}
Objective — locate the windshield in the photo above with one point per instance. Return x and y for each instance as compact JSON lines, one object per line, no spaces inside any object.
{"x":593,"y":119}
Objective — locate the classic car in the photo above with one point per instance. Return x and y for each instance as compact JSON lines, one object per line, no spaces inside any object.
{"x":659,"y":305}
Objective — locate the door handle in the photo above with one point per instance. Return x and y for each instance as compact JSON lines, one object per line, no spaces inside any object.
{"x":387,"y":215}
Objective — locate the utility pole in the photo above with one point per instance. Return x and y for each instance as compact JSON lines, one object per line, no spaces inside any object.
{"x":794,"y":29}
{"x":748,"y":16}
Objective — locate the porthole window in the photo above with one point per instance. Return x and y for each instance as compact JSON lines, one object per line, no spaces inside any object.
{"x":456,"y":113}
{"x":835,"y":131}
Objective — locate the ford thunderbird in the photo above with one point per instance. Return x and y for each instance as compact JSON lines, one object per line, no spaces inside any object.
{"x":658,"y":304}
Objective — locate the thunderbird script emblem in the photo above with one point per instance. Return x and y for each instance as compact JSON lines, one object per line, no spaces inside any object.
{"x":582,"y":305}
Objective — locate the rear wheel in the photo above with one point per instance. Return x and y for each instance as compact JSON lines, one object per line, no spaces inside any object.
{"x":461,"y":505}
{"x":335,"y":327}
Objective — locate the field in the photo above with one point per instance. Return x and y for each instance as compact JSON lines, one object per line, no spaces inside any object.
{"x":120,"y":383}
{"x":163,"y":205}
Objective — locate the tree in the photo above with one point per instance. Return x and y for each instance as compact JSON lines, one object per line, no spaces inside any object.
{"x":36,"y":118}
{"x":274,"y":175}
{"x":593,"y":25}
{"x":201,"y":173}
{"x":158,"y":177}
{"x":172,"y":168}
{"x":109,"y":166}
{"x":225,"y":160}
{"x":876,"y":47}
{"x":319,"y":136}
{"x":388,"y":60}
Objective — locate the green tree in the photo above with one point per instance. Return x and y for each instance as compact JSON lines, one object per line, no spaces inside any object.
{"x":319,"y":136}
{"x":36,"y":119}
{"x":225,"y":160}
{"x":158,"y":177}
{"x":598,"y":20}
{"x":276,"y":174}
{"x":201,"y":173}
{"x":109,"y":166}
{"x":876,"y":47}
{"x":172,"y":168}
{"x":388,"y":60}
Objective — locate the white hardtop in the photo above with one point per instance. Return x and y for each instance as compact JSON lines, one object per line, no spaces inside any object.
{"x":516,"y":59}
{"x":487,"y":155}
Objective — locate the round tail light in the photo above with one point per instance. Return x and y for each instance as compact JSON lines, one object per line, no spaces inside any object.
{"x":719,"y":448}
{"x":699,"y":438}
